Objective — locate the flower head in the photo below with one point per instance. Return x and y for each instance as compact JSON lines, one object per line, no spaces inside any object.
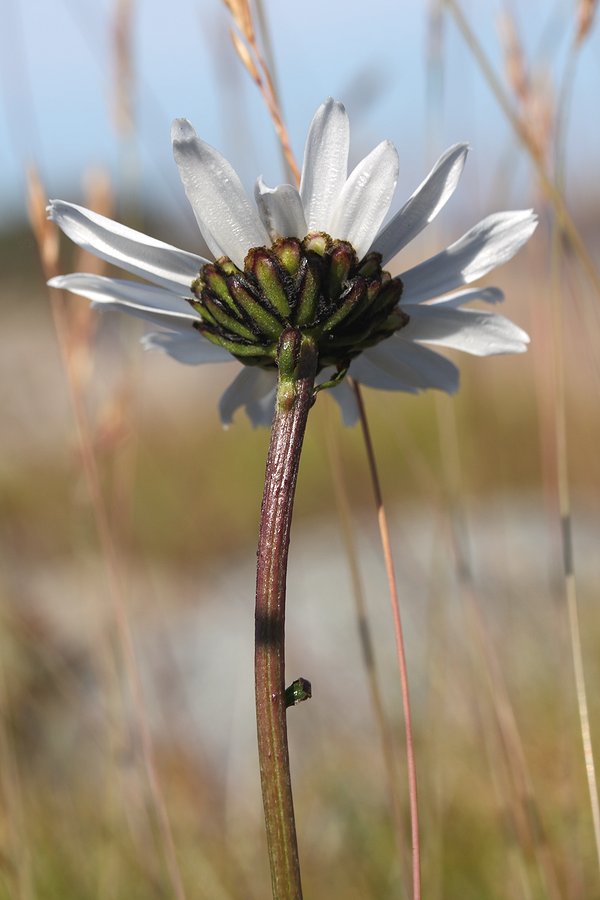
{"x":310,"y":258}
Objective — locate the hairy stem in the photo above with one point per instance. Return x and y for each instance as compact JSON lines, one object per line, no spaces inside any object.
{"x":297,"y":366}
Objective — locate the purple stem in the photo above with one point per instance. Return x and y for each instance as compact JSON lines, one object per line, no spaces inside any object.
{"x":297,"y":362}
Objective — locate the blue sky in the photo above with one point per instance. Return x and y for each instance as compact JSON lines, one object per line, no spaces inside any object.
{"x":57,"y":79}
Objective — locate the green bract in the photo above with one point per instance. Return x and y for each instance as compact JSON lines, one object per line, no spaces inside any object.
{"x":316,"y":285}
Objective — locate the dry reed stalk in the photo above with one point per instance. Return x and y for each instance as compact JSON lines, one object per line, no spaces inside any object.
{"x":509,"y":749}
{"x":81,"y":321}
{"x":113,"y":418}
{"x":340,"y":488}
{"x":519,"y":792}
{"x":384,"y":535}
{"x":255,"y":64}
{"x":46,"y":236}
{"x":532,"y":98}
{"x":123,"y":105}
{"x":16,"y":856}
{"x":514,"y":58}
{"x":242,"y":16}
{"x":565,"y":225}
{"x":556,"y":148}
{"x":523,"y":804}
{"x":566,"y":532}
{"x":552,"y":192}
{"x":99,"y":196}
{"x":122,"y":98}
{"x":507,"y":746}
{"x":586,"y":11}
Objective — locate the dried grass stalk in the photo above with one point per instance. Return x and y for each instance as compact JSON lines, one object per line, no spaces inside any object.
{"x":585,"y":17}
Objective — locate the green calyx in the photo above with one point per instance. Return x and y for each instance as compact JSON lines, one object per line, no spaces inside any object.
{"x":316,"y":286}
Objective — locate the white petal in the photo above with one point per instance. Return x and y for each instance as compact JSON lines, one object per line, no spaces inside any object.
{"x":226,"y":219}
{"x":473,"y":331}
{"x":369,"y":373}
{"x":489,"y":295}
{"x":399,"y":365}
{"x":488,"y":244}
{"x":171,"y":323}
{"x":281,"y":210}
{"x":254,"y":389}
{"x":130,"y":250}
{"x":126,"y":293}
{"x":345,"y":397}
{"x":424,"y":205}
{"x":325,"y":164}
{"x":186,"y":346}
{"x":365,"y":199}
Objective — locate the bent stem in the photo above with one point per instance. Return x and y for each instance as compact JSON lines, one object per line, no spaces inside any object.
{"x":297,"y":362}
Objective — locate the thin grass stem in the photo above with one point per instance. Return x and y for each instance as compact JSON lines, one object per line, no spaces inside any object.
{"x":566,"y":536}
{"x":522,"y":132}
{"x":18,"y":860}
{"x":45,"y":237}
{"x":384,"y":534}
{"x":364,"y":630}
{"x":564,"y":224}
{"x":524,"y":807}
{"x":562,"y":457}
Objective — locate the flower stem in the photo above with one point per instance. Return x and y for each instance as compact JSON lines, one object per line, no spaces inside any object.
{"x":297,"y":361}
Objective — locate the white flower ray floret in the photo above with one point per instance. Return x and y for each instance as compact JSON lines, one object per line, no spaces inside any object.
{"x":424,"y":205}
{"x":365,"y":198}
{"x":254,"y":389}
{"x":472,"y":331}
{"x":404,"y":366}
{"x":130,"y":294}
{"x":489,"y":244}
{"x":228,"y":223}
{"x":347,"y":207}
{"x":325,"y":167}
{"x":281,"y":210}
{"x":185,"y":346}
{"x":130,"y":250}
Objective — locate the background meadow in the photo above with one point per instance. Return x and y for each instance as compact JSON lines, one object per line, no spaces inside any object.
{"x":129,"y":517}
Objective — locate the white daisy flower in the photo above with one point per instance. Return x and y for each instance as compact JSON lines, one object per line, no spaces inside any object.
{"x":313,"y":259}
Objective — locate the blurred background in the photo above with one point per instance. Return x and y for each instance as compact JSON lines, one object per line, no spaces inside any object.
{"x":128,"y":766}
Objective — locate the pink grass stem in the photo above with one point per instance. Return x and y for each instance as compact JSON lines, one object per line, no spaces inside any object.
{"x":401,"y":654}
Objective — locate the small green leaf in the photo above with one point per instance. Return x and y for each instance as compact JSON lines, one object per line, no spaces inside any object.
{"x":298,"y":691}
